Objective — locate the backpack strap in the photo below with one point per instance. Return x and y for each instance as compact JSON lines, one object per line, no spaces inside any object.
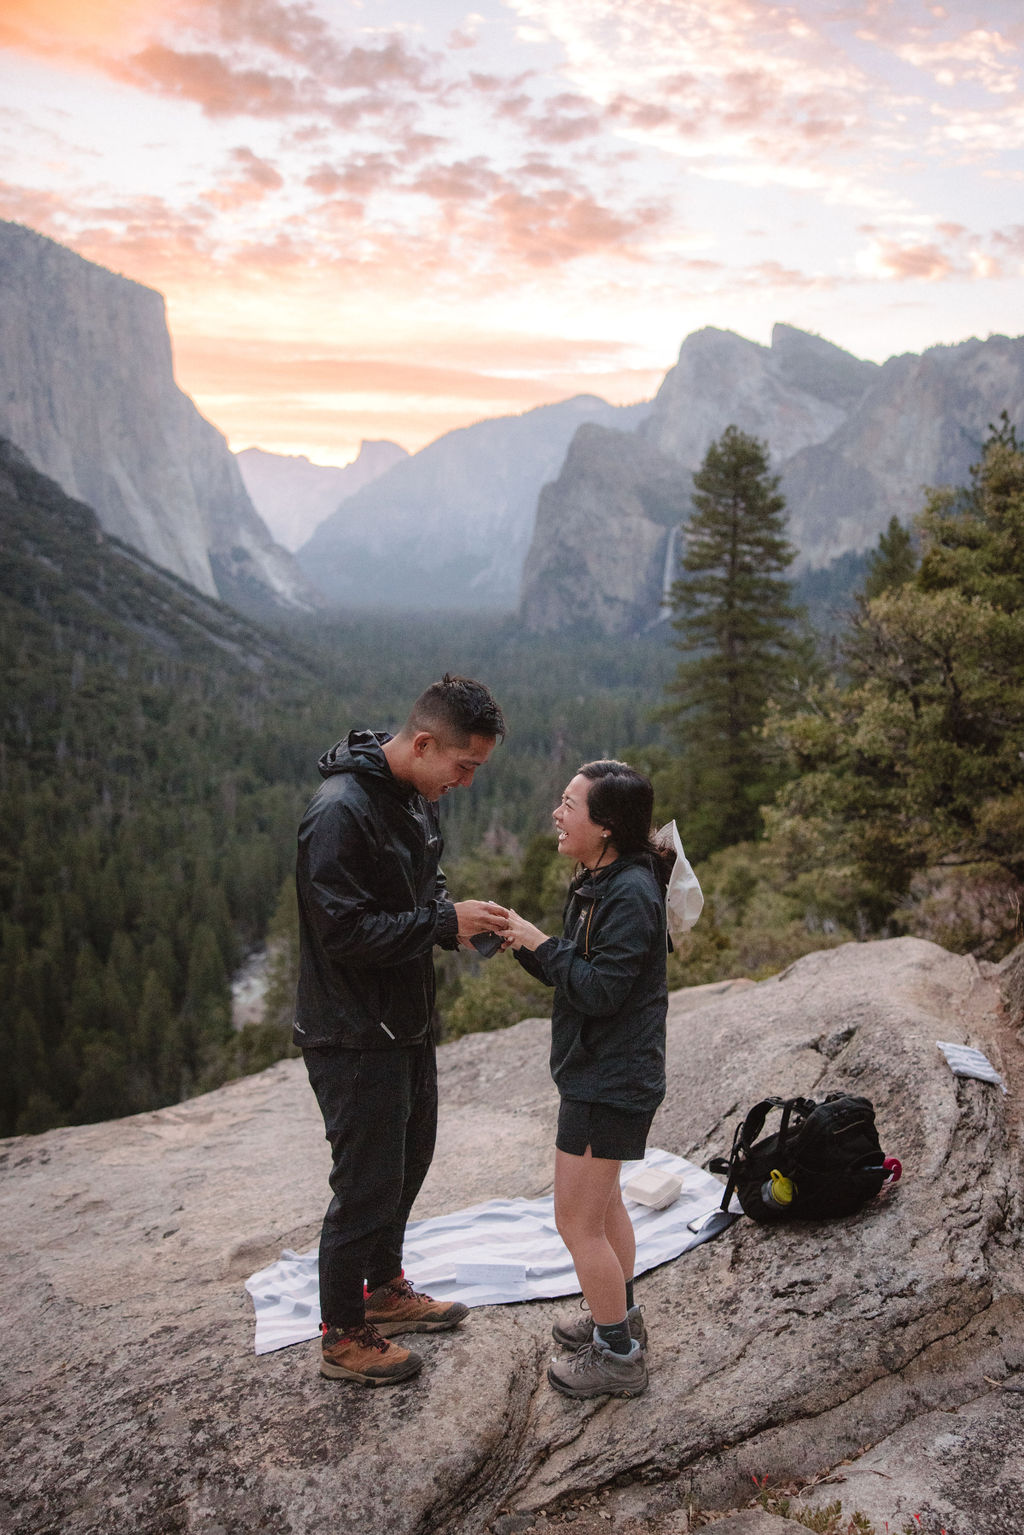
{"x":745,"y":1135}
{"x":754,"y":1123}
{"x":747,"y":1132}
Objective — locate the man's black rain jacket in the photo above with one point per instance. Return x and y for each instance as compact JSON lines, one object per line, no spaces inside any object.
{"x":372,"y":904}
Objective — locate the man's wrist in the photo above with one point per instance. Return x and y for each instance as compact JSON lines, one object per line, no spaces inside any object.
{"x":447,"y":933}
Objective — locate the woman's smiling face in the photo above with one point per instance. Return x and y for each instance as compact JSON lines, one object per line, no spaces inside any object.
{"x":579,"y":837}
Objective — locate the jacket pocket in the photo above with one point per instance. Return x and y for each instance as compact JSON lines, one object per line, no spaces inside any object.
{"x":404,"y":1003}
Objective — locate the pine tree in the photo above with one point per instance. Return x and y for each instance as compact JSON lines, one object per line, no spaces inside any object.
{"x":737,"y":628}
{"x":892,"y":564}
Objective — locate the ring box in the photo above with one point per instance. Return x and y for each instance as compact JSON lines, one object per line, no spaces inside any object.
{"x":655,"y":1189}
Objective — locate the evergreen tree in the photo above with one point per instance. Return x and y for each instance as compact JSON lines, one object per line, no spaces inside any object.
{"x":914,"y":772}
{"x":737,"y":627}
{"x":892,"y":564}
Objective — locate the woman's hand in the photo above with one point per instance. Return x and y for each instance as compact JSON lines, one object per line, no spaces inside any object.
{"x":517,"y":933}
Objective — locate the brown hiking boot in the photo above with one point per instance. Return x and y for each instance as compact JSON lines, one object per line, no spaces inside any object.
{"x":361,"y":1354}
{"x":396,"y":1307}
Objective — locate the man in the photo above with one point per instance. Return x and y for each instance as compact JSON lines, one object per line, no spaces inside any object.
{"x":372,"y":904}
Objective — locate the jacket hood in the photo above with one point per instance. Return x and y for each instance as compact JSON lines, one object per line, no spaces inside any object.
{"x":592,"y":883}
{"x":359,"y":752}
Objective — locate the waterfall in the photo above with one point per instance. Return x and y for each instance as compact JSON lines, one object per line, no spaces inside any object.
{"x":668,"y":575}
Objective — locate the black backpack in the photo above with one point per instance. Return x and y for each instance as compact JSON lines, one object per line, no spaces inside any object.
{"x":825,"y":1158}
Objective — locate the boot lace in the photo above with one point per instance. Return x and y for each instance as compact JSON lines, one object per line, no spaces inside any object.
{"x":585,"y":1356}
{"x":403,"y":1288}
{"x":366,"y":1336}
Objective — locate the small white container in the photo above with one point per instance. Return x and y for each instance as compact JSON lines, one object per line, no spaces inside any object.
{"x":655,"y":1189}
{"x":494,"y":1272}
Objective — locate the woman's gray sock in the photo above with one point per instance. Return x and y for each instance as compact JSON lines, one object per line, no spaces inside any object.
{"x":615,"y":1335}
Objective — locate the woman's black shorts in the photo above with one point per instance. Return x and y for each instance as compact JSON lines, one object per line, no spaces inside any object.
{"x":617,"y":1134}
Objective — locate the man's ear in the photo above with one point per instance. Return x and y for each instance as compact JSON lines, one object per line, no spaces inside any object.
{"x":420,"y":741}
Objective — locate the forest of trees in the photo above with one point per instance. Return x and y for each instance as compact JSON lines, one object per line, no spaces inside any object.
{"x":156,"y":751}
{"x":905,"y":800}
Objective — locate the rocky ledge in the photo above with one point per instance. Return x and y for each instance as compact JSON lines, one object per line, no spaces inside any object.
{"x":874,"y":1361}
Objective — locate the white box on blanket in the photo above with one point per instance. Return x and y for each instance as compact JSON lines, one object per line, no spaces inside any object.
{"x":495,"y":1272}
{"x":653,"y":1188}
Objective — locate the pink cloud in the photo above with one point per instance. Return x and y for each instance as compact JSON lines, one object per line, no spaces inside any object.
{"x":253,"y":180}
{"x":549,"y":228}
{"x":772,"y":274}
{"x":561,"y":119}
{"x":956,"y":253}
{"x":212,"y":84}
{"x":258,"y":173}
{"x":1011,"y":240}
{"x":567,"y":118}
{"x":359,"y":176}
{"x":540,"y":168}
{"x":462,"y":181}
{"x":297,"y":33}
{"x":925,"y":262}
{"x":292,"y":31}
{"x":641,"y":114}
{"x":37,"y":209}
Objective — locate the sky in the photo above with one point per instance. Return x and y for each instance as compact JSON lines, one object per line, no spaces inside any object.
{"x":392,"y":218}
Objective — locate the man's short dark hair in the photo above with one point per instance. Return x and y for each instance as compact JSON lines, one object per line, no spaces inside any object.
{"x":455,"y":709}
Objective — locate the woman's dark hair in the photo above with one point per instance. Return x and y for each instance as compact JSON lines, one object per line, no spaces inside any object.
{"x":622,"y":800}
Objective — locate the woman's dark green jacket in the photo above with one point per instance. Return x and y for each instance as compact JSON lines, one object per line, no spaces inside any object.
{"x":611,"y":997}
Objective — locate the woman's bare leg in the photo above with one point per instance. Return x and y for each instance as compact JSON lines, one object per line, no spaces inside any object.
{"x":619,"y":1231}
{"x":586,"y":1192}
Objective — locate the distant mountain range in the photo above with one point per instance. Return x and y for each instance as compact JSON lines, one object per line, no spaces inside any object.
{"x":568,"y":513}
{"x":449,"y":527}
{"x":855,"y":443}
{"x":293,"y":495}
{"x":89,"y":396}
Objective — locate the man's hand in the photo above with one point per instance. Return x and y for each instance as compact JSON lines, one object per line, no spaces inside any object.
{"x":478,"y":917}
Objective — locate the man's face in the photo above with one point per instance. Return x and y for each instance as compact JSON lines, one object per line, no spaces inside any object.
{"x":439,"y":766}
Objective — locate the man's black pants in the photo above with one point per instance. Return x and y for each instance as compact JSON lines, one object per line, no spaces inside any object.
{"x":380,"y":1115}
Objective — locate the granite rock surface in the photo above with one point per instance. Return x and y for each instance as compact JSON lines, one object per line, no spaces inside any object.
{"x":870,"y":1359}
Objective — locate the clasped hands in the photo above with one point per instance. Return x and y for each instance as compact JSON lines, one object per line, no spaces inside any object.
{"x":488,"y":917}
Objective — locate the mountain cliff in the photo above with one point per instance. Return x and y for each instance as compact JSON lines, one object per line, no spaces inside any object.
{"x":89,"y":396}
{"x":796,"y":392}
{"x":604,"y":529}
{"x":922,"y":422}
{"x":449,"y":527}
{"x":853,"y":442}
{"x":293,"y":495}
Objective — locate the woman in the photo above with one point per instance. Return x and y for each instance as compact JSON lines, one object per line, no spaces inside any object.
{"x":607,"y":1057}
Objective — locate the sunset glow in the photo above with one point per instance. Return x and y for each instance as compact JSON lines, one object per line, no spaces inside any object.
{"x":378,"y":219}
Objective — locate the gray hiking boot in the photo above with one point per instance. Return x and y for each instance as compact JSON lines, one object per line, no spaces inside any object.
{"x":575,"y":1332}
{"x":596,"y":1371}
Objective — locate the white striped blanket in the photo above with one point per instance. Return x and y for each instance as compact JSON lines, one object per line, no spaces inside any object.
{"x":490,"y":1254}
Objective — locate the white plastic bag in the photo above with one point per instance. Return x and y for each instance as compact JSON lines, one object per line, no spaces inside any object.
{"x":964,"y":1061}
{"x":684,"y":899}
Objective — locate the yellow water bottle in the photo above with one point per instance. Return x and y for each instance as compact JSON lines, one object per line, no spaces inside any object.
{"x":777,"y":1191}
